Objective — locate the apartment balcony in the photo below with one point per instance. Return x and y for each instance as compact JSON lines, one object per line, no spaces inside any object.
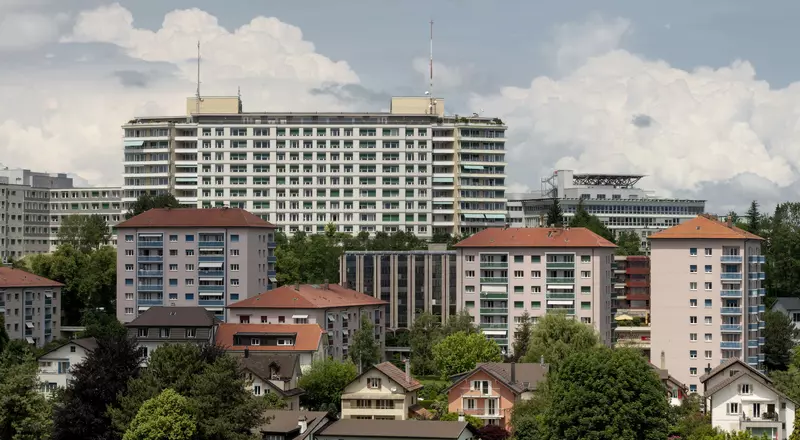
{"x":758,"y":292}
{"x":210,"y":258}
{"x":212,"y":244}
{"x":731,"y":310}
{"x":730,"y":328}
{"x":500,"y":341}
{"x":150,"y":258}
{"x":29,"y":302}
{"x":752,"y":344}
{"x":568,"y":311}
{"x":494,"y":264}
{"x":762,"y":325}
{"x":494,"y":295}
{"x":150,"y":302}
{"x":150,"y":273}
{"x":560,"y":265}
{"x":637,"y":270}
{"x":272,"y":244}
{"x":730,"y":293}
{"x":756,"y":276}
{"x":150,"y":244}
{"x":731,"y":275}
{"x":730,"y":345}
{"x":211,"y":273}
{"x":272,"y":259}
{"x":753,"y":326}
{"x":494,"y":325}
{"x":150,"y":288}
{"x":215,"y":288}
{"x":494,"y":310}
{"x":560,"y":280}
{"x":210,"y":303}
{"x":757,"y":259}
{"x":731,"y":258}
{"x":494,"y":280}
{"x":637,"y":297}
{"x":637,"y":283}
{"x":560,"y":295}
{"x":752,"y":361}
{"x":483,"y":413}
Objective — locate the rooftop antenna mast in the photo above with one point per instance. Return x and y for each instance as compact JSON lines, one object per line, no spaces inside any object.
{"x":430,"y":85}
{"x":197,"y":94}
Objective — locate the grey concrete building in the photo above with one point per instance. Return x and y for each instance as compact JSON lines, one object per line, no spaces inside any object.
{"x":161,"y":325}
{"x":30,"y":305}
{"x":411,"y":282}
{"x":192,"y":257}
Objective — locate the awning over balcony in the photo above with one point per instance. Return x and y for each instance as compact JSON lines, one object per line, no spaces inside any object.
{"x":212,"y":264}
{"x":134,"y":143}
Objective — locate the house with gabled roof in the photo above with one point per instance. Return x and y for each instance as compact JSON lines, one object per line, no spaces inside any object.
{"x":274,"y":373}
{"x":490,"y":390}
{"x":55,"y":365}
{"x":740,"y":398}
{"x":676,"y":390}
{"x":383,"y":392}
{"x":308,"y":341}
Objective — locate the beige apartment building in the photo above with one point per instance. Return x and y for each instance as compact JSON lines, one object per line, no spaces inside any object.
{"x":30,"y":305}
{"x":505,"y":272}
{"x":706,"y":298}
{"x":192,"y":258}
{"x":384,"y":392}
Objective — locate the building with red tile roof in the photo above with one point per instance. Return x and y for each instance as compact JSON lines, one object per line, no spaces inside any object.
{"x":539,"y":270}
{"x":35,"y":303}
{"x":334,"y":308}
{"x":189,"y":257}
{"x":308,"y":341}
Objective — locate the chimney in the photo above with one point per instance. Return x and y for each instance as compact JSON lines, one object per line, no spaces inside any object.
{"x":246,"y":352}
{"x":408,"y":370}
{"x":663,"y":360}
{"x":461,"y":416}
{"x":297,"y":286}
{"x":513,"y":372}
{"x":302,"y":423}
{"x":729,"y":223}
{"x":326,"y":284}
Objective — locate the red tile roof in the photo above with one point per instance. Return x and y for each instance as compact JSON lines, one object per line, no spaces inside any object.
{"x":536,"y":237}
{"x":702,"y":227}
{"x":196,"y":218}
{"x":10,"y":277}
{"x":398,"y":375}
{"x":309,"y":296}
{"x":307,"y":336}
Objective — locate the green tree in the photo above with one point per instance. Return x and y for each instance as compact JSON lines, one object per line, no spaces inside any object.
{"x":606,"y":394}
{"x":555,"y":216}
{"x":84,"y":232}
{"x":100,"y":323}
{"x":628,"y":244}
{"x":782,"y":246}
{"x":555,"y":337}
{"x":425,"y":333}
{"x":167,"y":416}
{"x":213,"y":382}
{"x":687,"y":420}
{"x":460,"y":352}
{"x":274,"y":401}
{"x":522,"y":337}
{"x":82,"y":410}
{"x":330,"y":229}
{"x":460,"y":322}
{"x":753,"y":217}
{"x":324,"y":383}
{"x":24,"y":412}
{"x":4,"y":339}
{"x":582,"y":219}
{"x":308,"y":259}
{"x":147,"y":201}
{"x":364,"y":350}
{"x":779,"y":335}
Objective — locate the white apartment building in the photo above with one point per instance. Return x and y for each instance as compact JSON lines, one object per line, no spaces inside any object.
{"x":410,"y":169}
{"x":706,"y":297}
{"x":504,"y":272}
{"x":33,"y":204}
{"x":613,"y":198}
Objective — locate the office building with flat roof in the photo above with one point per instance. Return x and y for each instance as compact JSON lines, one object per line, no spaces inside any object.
{"x":412,"y":169}
{"x":192,"y":257}
{"x":504,"y":272}
{"x":707,"y":298}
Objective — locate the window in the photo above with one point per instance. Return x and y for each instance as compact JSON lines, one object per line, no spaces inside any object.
{"x":586,"y":305}
{"x":519,"y":304}
{"x":586,"y":258}
{"x":173,"y":267}
{"x":707,"y":304}
{"x":374,"y":383}
{"x":708,"y":285}
{"x":129,"y":281}
{"x":693,"y":286}
{"x":191,"y":333}
{"x":234,"y":281}
{"x":128,"y":296}
{"x":234,"y":297}
{"x":708,"y":320}
{"x":733,"y":408}
{"x":692,"y":303}
{"x":173,"y":238}
{"x":173,"y":296}
{"x":745,"y":388}
{"x":519,"y":289}
{"x":536,"y":274}
{"x":708,"y":354}
{"x":692,"y":354}
{"x":693,"y":252}
{"x":173,"y":281}
{"x":469,"y":274}
{"x":173,"y":252}
{"x":708,"y":268}
{"x":234,"y":238}
{"x":586,"y":274}
{"x":519,"y":259}
{"x":129,"y":238}
{"x":469,"y":289}
{"x":235,"y":267}
{"x":129,"y":268}
{"x":536,"y":304}
{"x":693,"y":320}
{"x":143,"y":332}
{"x":692,"y":268}
{"x":586,"y":289}
{"x":244,"y":319}
{"x":708,"y":337}
{"x":189,"y":237}
{"x":164,"y":333}
{"x":480,"y":385}
{"x":692,"y":388}
{"x":519,"y":274}
{"x":281,"y":319}
{"x":189,"y":268}
{"x":129,"y":310}
{"x":189,"y":297}
{"x":285,"y":342}
{"x":470,"y":258}
{"x":536,"y":289}
{"x":693,"y":337}
{"x":708,"y":252}
{"x":469,"y":304}
{"x":257,"y":390}
{"x":300,"y":320}
{"x":188,"y":282}
{"x":692,"y":371}
{"x":189,"y":252}
{"x":536,"y":259}
{"x":234,"y":252}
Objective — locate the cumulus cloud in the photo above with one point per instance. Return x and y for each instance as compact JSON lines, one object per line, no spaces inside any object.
{"x":691,"y":131}
{"x":574,"y":43}
{"x":23,"y":24}
{"x":67,"y":116}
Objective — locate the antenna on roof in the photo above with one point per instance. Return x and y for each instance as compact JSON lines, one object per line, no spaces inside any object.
{"x":197,"y":94}
{"x":432,"y":108}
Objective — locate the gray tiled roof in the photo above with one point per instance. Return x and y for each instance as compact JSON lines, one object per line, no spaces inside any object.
{"x":406,"y":429}
{"x":174,"y":317}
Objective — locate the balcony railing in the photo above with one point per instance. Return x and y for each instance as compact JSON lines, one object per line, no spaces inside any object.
{"x":151,"y":273}
{"x":728,"y":345}
{"x":210,"y":302}
{"x":494,"y":295}
{"x":560,"y":280}
{"x":494,"y":264}
{"x":560,"y":264}
{"x":494,"y":310}
{"x":152,"y":258}
{"x":560,"y":295}
{"x":730,"y":293}
{"x":561,"y":310}
{"x":211,"y":273}
{"x":150,"y":302}
{"x":150,"y":243}
{"x":730,"y":328}
{"x":210,"y":258}
{"x":731,"y":258}
{"x":272,"y":259}
{"x":731,"y":275}
{"x":497,"y":325}
{"x":731,"y":310}
{"x":494,"y":280}
{"x":757,"y":259}
{"x":752,"y":360}
{"x":758,"y":292}
{"x":752,"y":344}
{"x":272,"y":244}
{"x":218,"y":288}
{"x":757,"y":276}
{"x":215,"y":244}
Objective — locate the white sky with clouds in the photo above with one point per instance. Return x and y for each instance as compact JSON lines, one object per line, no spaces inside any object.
{"x":594,"y":91}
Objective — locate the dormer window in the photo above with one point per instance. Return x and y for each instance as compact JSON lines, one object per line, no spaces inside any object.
{"x":142,"y":332}
{"x":285,"y":342}
{"x":164,"y":332}
{"x":256,"y":341}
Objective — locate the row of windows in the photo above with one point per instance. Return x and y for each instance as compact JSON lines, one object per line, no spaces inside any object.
{"x":585,"y":305}
{"x":190,"y":252}
{"x":488,"y":258}
{"x":534,"y":274}
{"x":189,"y":238}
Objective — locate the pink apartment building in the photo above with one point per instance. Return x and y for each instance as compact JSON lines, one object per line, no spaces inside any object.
{"x":504,"y":272}
{"x":706,"y":298}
